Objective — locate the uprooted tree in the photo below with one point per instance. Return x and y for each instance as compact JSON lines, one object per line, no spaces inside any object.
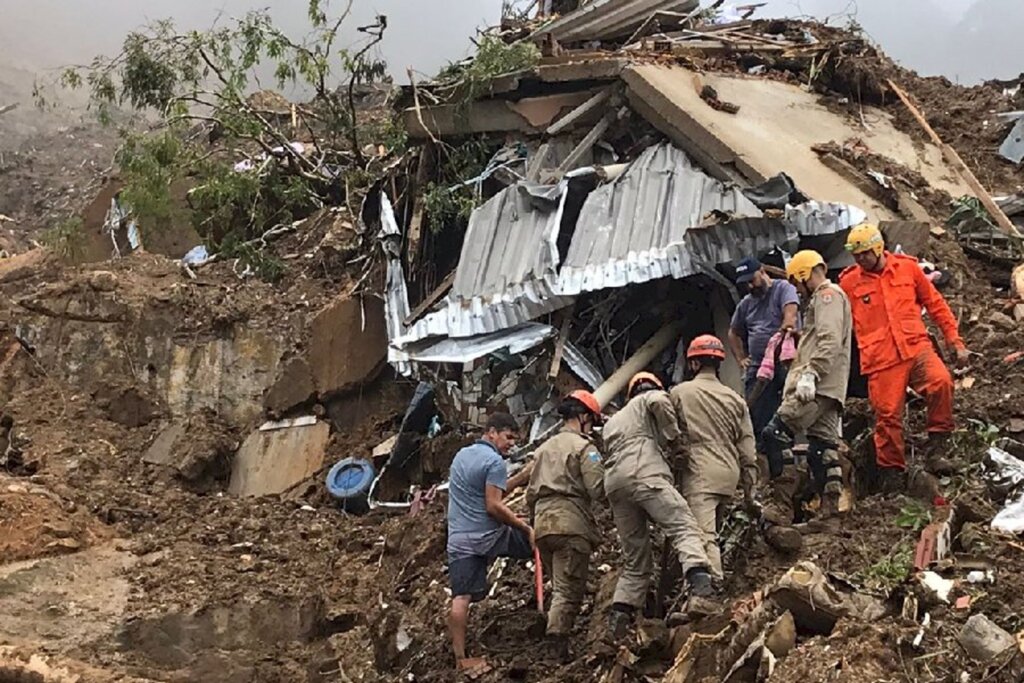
{"x":236,"y":150}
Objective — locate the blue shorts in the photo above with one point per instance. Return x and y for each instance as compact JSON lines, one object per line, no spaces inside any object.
{"x":467,"y":574}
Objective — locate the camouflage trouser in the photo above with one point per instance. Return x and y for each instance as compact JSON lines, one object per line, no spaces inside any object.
{"x":567,"y":560}
{"x":634,"y":508}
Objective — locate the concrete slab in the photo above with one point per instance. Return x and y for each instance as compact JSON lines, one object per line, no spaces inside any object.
{"x":162,"y":452}
{"x":348,"y":342}
{"x":272,"y":462}
{"x":774,"y":131}
{"x":529,"y":115}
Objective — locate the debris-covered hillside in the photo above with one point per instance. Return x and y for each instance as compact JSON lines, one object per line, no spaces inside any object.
{"x":168,"y":423}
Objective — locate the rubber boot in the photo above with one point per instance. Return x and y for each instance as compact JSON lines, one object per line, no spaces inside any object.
{"x":620,"y":618}
{"x":558,"y":646}
{"x":935,"y":461}
{"x":891,"y":480}
{"x":779,"y":512}
{"x":923,"y":485}
{"x":698,"y":581}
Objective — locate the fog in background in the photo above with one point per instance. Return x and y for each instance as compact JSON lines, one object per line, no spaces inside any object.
{"x":966,"y":40}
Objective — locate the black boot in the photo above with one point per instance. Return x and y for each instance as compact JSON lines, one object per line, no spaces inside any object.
{"x":698,"y":580}
{"x":935,"y":461}
{"x":620,"y":618}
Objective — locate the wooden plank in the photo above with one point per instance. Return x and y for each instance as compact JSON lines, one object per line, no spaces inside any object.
{"x":589,"y":141}
{"x":579,"y":112}
{"x":953,"y":158}
{"x":563,"y":336}
{"x":432,"y":298}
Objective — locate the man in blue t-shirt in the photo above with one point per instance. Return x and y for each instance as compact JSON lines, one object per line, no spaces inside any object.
{"x":481,"y":527}
{"x":770,"y":306}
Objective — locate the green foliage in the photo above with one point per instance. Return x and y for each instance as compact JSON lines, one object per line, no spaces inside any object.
{"x":914,"y":515}
{"x":969,"y":210}
{"x":66,"y":238}
{"x":228,"y":206}
{"x":149,"y":164}
{"x":494,"y":57}
{"x":891,"y":570}
{"x":190,"y":77}
{"x":253,"y":258}
{"x":450,"y":199}
{"x":388,"y":132}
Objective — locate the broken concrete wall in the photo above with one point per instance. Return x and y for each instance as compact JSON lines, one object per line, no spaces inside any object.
{"x":346,"y":347}
{"x":775,"y":129}
{"x":273,"y":461}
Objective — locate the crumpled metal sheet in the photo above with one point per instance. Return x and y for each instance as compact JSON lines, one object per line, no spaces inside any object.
{"x":1013,"y":146}
{"x":581,"y":366}
{"x":651,"y":223}
{"x":606,"y":19}
{"x":812,"y":219}
{"x":493,"y":255}
{"x":517,"y":340}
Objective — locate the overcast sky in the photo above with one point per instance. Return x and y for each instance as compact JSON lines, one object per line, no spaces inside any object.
{"x":922,"y":34}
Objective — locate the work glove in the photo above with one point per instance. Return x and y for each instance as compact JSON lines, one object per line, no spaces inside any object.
{"x":806,"y":387}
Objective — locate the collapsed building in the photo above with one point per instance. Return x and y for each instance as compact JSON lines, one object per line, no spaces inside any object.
{"x":626,"y":174}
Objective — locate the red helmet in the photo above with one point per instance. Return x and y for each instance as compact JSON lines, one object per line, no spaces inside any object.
{"x":589,"y":401}
{"x":643,"y":377}
{"x":706,"y":346}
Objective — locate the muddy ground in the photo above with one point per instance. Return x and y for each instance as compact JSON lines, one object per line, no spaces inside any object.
{"x":114,"y":569}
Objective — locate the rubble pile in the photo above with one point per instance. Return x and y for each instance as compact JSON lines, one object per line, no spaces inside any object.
{"x":169,"y":424}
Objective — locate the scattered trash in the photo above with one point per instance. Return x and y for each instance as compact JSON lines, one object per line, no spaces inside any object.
{"x":984,"y":640}
{"x":963,"y":602}
{"x":1005,"y":474}
{"x":304,"y":421}
{"x":938,"y":586}
{"x":196,"y":256}
{"x":978,"y":576}
{"x":925,"y":623}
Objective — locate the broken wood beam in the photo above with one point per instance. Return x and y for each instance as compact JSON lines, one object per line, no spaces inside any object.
{"x":662,"y":339}
{"x":579,"y":112}
{"x":953,"y":158}
{"x":432,"y":298}
{"x":563,"y":337}
{"x":589,"y":141}
{"x":9,"y":107}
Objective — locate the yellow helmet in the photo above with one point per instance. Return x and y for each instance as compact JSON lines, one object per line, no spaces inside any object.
{"x":802,"y":264}
{"x":865,"y":237}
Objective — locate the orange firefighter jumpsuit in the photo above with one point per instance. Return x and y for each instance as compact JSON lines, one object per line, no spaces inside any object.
{"x":895,"y":350}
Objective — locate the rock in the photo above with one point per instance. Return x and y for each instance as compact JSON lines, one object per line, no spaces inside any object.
{"x":293,"y":386}
{"x":68,"y":545}
{"x":781,"y":636}
{"x":1001,"y":321}
{"x":983,"y":640}
{"x":654,"y":637}
{"x":103,"y":281}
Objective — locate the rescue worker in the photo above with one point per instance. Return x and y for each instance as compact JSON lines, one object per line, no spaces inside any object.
{"x":770,"y":306}
{"x":887,"y":292}
{"x":719,"y":443}
{"x":566,"y":479}
{"x":812,"y":401}
{"x":641,"y":445}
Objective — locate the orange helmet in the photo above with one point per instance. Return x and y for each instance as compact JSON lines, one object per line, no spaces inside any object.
{"x":706,"y":346}
{"x":588,"y":400}
{"x":643,"y":377}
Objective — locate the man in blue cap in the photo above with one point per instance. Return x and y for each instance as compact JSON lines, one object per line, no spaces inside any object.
{"x":769,"y":306}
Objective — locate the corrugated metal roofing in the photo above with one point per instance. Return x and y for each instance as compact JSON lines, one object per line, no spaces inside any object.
{"x":650,"y":223}
{"x":606,"y":19}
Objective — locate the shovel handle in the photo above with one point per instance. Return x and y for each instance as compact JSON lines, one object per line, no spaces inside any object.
{"x":538,"y":579}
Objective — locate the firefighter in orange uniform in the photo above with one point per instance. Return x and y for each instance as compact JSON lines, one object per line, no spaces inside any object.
{"x":887,"y":292}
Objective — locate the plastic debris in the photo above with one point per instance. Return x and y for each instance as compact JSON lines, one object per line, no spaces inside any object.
{"x":936,"y":584}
